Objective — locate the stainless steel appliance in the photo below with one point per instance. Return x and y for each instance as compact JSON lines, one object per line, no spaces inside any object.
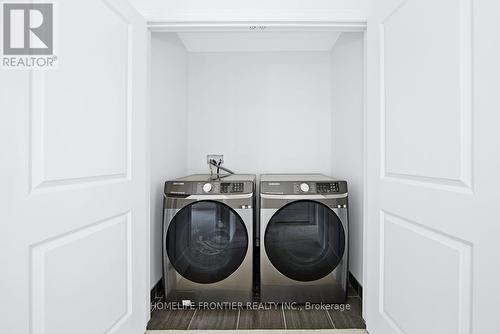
{"x":303,"y":238}
{"x":207,"y":238}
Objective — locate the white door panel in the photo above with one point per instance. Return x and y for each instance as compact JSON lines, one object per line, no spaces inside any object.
{"x":73,"y":178}
{"x":431,"y":214}
{"x":426,"y":112}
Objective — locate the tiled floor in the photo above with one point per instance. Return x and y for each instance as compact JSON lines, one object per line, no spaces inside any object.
{"x":273,"y":318}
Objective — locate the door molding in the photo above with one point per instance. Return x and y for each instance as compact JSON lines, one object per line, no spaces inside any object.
{"x":179,"y":25}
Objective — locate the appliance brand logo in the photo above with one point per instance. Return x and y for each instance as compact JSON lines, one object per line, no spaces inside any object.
{"x":28,"y":35}
{"x":274,"y":183}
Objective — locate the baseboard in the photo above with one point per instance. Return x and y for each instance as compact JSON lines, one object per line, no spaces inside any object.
{"x":157,"y":291}
{"x":356,"y":285}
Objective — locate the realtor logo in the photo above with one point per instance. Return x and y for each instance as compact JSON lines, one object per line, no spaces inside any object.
{"x":28,"y":35}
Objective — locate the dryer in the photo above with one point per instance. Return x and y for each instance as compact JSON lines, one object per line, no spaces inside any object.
{"x":303,"y":238}
{"x":207,"y":238}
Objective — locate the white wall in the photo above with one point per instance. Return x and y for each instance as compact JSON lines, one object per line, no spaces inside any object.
{"x":256,"y":9}
{"x":265,"y":111}
{"x":347,"y":135}
{"x":168,"y":130}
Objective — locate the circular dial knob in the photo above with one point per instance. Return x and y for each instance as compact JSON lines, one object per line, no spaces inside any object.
{"x":207,"y":187}
{"x":304,"y":187}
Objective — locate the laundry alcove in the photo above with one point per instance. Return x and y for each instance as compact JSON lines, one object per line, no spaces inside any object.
{"x":269,"y":100}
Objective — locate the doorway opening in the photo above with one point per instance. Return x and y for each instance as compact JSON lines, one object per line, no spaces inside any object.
{"x":272,"y":99}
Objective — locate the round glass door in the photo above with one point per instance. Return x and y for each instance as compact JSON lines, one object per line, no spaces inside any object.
{"x":206,"y":241}
{"x":305,"y":240}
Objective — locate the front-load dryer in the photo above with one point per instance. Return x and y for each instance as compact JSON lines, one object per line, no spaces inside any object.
{"x":207,"y":238}
{"x":303,"y":238}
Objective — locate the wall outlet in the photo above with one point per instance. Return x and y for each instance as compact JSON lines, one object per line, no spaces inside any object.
{"x":216,"y":157}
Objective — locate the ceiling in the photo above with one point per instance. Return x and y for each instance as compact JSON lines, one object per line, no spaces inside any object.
{"x":258,"y":41}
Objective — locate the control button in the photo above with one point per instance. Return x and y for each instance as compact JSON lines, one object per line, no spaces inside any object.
{"x":207,"y":187}
{"x":304,"y":187}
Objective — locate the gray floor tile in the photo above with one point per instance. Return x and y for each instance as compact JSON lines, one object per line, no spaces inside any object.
{"x":166,"y":319}
{"x":349,"y":318}
{"x":307,"y":319}
{"x":261,"y":319}
{"x":214,"y":319}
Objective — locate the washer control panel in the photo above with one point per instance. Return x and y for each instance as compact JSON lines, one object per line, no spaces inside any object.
{"x":218,"y":187}
{"x":207,"y":187}
{"x":231,"y":187}
{"x":204,"y":184}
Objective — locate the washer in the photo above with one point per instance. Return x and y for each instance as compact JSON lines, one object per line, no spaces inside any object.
{"x":303,"y":238}
{"x":207,"y":238}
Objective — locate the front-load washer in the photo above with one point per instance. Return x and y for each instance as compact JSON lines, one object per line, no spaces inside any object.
{"x":303,"y":238}
{"x":207,"y":238}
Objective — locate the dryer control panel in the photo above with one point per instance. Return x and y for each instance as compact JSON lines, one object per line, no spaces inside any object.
{"x":316,"y":187}
{"x":303,"y":187}
{"x":327,"y":187}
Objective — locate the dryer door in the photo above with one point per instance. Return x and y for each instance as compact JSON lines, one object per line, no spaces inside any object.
{"x":305,"y":240}
{"x":206,"y":241}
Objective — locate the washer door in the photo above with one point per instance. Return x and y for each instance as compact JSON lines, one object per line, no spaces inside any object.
{"x":206,"y":241}
{"x":305,"y":240}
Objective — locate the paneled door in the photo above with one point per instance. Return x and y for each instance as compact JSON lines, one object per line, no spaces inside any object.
{"x":73,"y":179}
{"x":433,"y":216}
